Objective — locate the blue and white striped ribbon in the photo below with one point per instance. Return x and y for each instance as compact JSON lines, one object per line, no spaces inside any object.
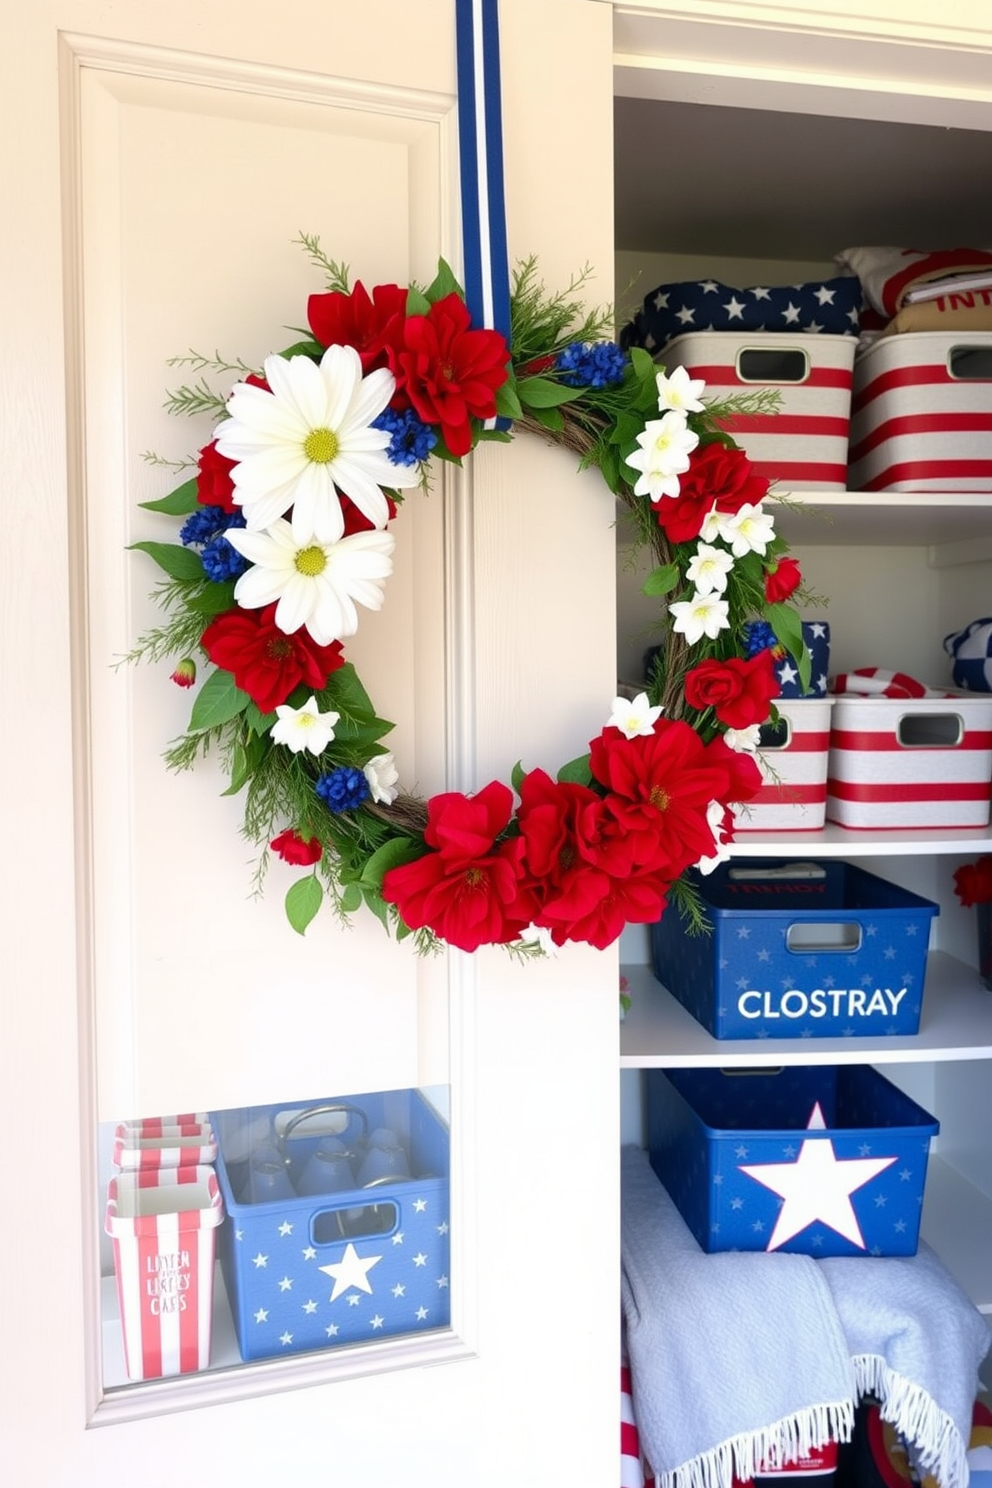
{"x":480,"y":135}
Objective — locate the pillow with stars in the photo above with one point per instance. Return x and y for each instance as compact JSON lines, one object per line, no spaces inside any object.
{"x":830,"y":307}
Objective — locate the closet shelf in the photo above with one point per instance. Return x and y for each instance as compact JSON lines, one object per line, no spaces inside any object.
{"x":833,"y":841}
{"x":941,"y":521}
{"x":658,"y":1032}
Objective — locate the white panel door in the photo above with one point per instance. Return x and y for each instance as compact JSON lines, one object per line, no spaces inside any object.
{"x":158,"y":163}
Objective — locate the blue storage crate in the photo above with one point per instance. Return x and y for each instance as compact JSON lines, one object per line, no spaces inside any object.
{"x":313,"y":1272}
{"x":738,"y":1154}
{"x":813,"y":950}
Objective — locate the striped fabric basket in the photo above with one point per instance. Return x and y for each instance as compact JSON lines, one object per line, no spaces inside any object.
{"x":910,"y":762}
{"x":165,"y":1142}
{"x":921,"y":416}
{"x":804,"y":444}
{"x":793,"y":760}
{"x":163,"y":1222}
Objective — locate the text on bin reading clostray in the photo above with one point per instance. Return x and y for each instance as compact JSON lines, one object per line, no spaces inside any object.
{"x":823,"y":1002}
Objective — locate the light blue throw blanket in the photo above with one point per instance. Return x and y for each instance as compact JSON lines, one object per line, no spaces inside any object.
{"x":743,"y":1358}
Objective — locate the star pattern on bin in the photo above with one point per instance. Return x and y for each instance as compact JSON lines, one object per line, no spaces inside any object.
{"x":350,"y":1271}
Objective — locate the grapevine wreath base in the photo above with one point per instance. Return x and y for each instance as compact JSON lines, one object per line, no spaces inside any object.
{"x":285,"y":530}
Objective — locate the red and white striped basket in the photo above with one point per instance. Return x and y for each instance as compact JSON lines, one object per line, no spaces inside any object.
{"x":793,"y":797}
{"x":164,"y":1142}
{"x":805,"y":443}
{"x":921,"y":417}
{"x":163,"y":1223}
{"x":910,"y":762}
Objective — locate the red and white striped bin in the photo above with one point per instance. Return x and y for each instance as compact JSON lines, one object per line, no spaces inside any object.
{"x":163,"y":1223}
{"x":910,"y":762}
{"x":164,"y":1142}
{"x":802,"y":445}
{"x":921,"y":415}
{"x":793,"y":795}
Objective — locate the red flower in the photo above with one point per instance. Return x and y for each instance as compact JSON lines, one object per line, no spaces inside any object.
{"x":356,"y":520}
{"x":264,"y":661}
{"x":185,"y":673}
{"x":743,"y":773}
{"x":214,"y":486}
{"x":718,"y":476}
{"x":468,"y":891}
{"x":451,"y":372}
{"x":300,"y":851}
{"x":661,"y":786}
{"x":740,"y":691}
{"x":973,"y":882}
{"x":781,"y":580}
{"x":638,"y":900}
{"x":373,"y":326}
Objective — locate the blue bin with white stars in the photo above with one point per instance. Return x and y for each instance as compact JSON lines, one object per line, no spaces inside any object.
{"x":818,"y":1160}
{"x":798,"y":949}
{"x":316,"y":1270}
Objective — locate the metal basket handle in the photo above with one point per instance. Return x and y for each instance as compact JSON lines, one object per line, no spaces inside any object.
{"x":329,"y":1108}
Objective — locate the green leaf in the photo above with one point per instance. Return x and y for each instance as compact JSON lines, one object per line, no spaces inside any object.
{"x":662,"y":580}
{"x":303,"y":900}
{"x":212,"y":599}
{"x":392,"y":854}
{"x":549,"y":418}
{"x":508,"y":405}
{"x":177,"y":561}
{"x":218,"y":701}
{"x":308,"y":348}
{"x":577,"y":771}
{"x":416,"y":303}
{"x":626,"y":429}
{"x":351,"y":898}
{"x":541,"y":392}
{"x":517,"y":776}
{"x":240,"y":770}
{"x":444,"y":283}
{"x":257,"y":721}
{"x":788,"y":628}
{"x":179,"y":503}
{"x":643,"y":363}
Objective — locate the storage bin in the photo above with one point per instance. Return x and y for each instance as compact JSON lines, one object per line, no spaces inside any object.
{"x":163,"y":1225}
{"x":164,"y":1142}
{"x":351,"y":1266}
{"x":910,"y":762}
{"x":805,"y":443}
{"x":807,"y":949}
{"x":817,"y":1160}
{"x":793,"y":759}
{"x":921,"y":413}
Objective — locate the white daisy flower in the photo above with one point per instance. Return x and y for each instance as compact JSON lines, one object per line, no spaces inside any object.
{"x":679,"y":391}
{"x":304,"y":728}
{"x":665,"y":447}
{"x":382,"y":776}
{"x":702,"y":615}
{"x":745,"y":740}
{"x":315,"y":584}
{"x":635,"y":717}
{"x":709,"y":568}
{"x":749,"y":530}
{"x":307,"y":435}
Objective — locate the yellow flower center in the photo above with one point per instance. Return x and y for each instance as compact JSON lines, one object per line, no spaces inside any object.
{"x":311,"y":561}
{"x":321,"y":446}
{"x":659,"y":797}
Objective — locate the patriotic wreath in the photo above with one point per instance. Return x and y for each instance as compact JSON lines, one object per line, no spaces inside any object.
{"x":285,"y":529}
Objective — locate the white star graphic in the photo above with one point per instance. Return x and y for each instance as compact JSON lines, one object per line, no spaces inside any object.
{"x":787,"y":673}
{"x":420,"y":1259}
{"x":825,"y":295}
{"x":260,"y":1260}
{"x":261,"y":1315}
{"x":398,"y":1238}
{"x":661,"y":301}
{"x":350,"y":1271}
{"x":239,"y":1234}
{"x":685,"y":315}
{"x":791,"y":314}
{"x":817,"y":1186}
{"x":813,"y":328}
{"x":353,"y":1299}
{"x":378,"y":1321}
{"x":421,"y":1314}
{"x":420,"y":1205}
{"x":735,"y":308}
{"x":286,"y":1338}
{"x":285,"y":1228}
{"x":285,"y":1284}
{"x":442,"y":1281}
{"x":709,"y":286}
{"x":331,"y":1330}
{"x":399,"y":1290}
{"x":819,"y":630}
{"x":310,"y":1306}
{"x":309,"y":1254}
{"x":760,"y":292}
{"x":442,"y":1228}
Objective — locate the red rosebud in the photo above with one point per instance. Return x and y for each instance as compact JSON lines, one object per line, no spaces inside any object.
{"x":300,"y":851}
{"x":450,"y":371}
{"x":185,"y":673}
{"x":264,"y":661}
{"x":781,"y":580}
{"x":214,"y":486}
{"x":973,"y":882}
{"x":739,"y":691}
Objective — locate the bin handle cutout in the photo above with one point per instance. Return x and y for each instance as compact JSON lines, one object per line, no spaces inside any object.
{"x":807,"y":936}
{"x":780,"y":870}
{"x":772,"y":736}
{"x":930,"y":730}
{"x":752,"y":1069}
{"x":970,"y":363}
{"x":353,"y":1222}
{"x":770,"y":364}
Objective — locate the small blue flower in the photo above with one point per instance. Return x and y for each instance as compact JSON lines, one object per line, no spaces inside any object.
{"x":412,"y":440}
{"x":758,"y":636}
{"x":342,"y":789}
{"x":591,"y":364}
{"x":222,"y":562}
{"x":200,"y":526}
